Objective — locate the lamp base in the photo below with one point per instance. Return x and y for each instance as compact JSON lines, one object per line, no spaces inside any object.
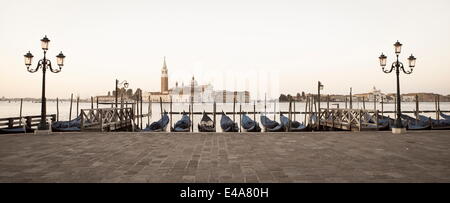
{"x":42,"y":132}
{"x":398,"y":130}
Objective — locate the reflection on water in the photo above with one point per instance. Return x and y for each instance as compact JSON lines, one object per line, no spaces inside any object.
{"x":29,"y":108}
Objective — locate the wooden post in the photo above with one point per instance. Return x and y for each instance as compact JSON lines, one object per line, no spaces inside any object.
{"x":265,"y":104}
{"x":360,"y":119}
{"x":92,"y":102}
{"x":240,"y":116}
{"x":170,"y":108}
{"x":436,"y":108}
{"x":234,"y":109}
{"x":306,"y":109}
{"x":374,"y":102}
{"x":439,"y":107}
{"x":351,"y":99}
{"x":328,"y":106}
{"x":70,"y":111}
{"x":382,"y":106}
{"x":140,"y":97}
{"x":274,"y":109}
{"x":417,"y":108}
{"x":364,"y":102}
{"x":101,"y":119}
{"x":82,"y":120}
{"x":97,"y":102}
{"x":295,"y":112}
{"x":328,"y":102}
{"x":20,"y":112}
{"x":214,"y":113}
{"x":290,"y":115}
{"x":376,"y":119}
{"x":121,"y":100}
{"x":192,"y":114}
{"x":78,"y":105}
{"x":57,"y":109}
{"x":160,"y":106}
{"x":345,"y":101}
{"x":254,"y":111}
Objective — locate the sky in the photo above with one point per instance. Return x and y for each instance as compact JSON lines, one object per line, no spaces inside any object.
{"x":281,"y":46}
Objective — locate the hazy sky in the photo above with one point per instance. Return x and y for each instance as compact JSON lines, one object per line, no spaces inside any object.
{"x":298,"y":42}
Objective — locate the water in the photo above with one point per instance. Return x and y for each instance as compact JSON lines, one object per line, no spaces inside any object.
{"x":12,"y":109}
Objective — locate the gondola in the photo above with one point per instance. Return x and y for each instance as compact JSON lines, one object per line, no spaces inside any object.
{"x":442,"y":124}
{"x":67,"y":126}
{"x":444,"y":116}
{"x":249,"y":125}
{"x":16,"y":130}
{"x":295,"y":125}
{"x":206,"y":124}
{"x":415,"y":124}
{"x":270,"y":125}
{"x":388,"y":122}
{"x":182,"y":125}
{"x":227,"y":124}
{"x":158,"y":126}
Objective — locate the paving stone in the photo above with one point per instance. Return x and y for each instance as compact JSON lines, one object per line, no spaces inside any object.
{"x":227,"y":157}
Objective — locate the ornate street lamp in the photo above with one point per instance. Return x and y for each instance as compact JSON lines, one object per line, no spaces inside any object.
{"x":44,"y":64}
{"x":124,"y":84}
{"x":397,"y":65}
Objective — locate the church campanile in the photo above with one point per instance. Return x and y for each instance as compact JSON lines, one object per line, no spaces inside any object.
{"x":164,"y":78}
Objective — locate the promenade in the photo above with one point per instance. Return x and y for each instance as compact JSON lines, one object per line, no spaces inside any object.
{"x":218,"y":157}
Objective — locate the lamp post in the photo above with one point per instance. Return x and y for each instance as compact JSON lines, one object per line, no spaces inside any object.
{"x":397,"y":65}
{"x":44,"y":64}
{"x":319,"y":87}
{"x":125,"y":85}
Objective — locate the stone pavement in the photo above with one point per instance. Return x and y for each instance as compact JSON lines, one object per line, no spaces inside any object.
{"x":218,"y":157}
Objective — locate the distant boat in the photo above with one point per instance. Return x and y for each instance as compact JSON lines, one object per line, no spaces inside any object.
{"x":249,"y":125}
{"x":295,"y":125}
{"x":206,"y":124}
{"x":270,"y":125}
{"x":227,"y":124}
{"x":182,"y":125}
{"x":158,"y":126}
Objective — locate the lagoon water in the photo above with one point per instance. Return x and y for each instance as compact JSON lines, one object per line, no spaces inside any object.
{"x":12,"y":109}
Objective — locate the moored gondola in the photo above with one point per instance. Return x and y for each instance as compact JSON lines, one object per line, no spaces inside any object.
{"x":182,"y":125}
{"x":158,"y":126}
{"x":249,"y":125}
{"x":206,"y":124}
{"x":445,"y":116}
{"x":227,"y":124}
{"x":295,"y":125}
{"x":67,"y":126}
{"x":16,"y":130}
{"x":270,"y":125}
{"x":442,"y":124}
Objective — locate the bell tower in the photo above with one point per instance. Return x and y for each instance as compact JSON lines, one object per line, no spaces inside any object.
{"x":164,"y":78}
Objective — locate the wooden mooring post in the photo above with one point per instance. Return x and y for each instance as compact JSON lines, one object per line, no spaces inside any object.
{"x":306,"y":109}
{"x":57,"y":109}
{"x":70,"y":110}
{"x":20,"y":113}
{"x":92,"y":102}
{"x":78,"y":106}
{"x":170,"y":108}
{"x":254,"y":111}
{"x":214,"y":113}
{"x":234,"y":109}
{"x":274,"y":109}
{"x":240,"y":117}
